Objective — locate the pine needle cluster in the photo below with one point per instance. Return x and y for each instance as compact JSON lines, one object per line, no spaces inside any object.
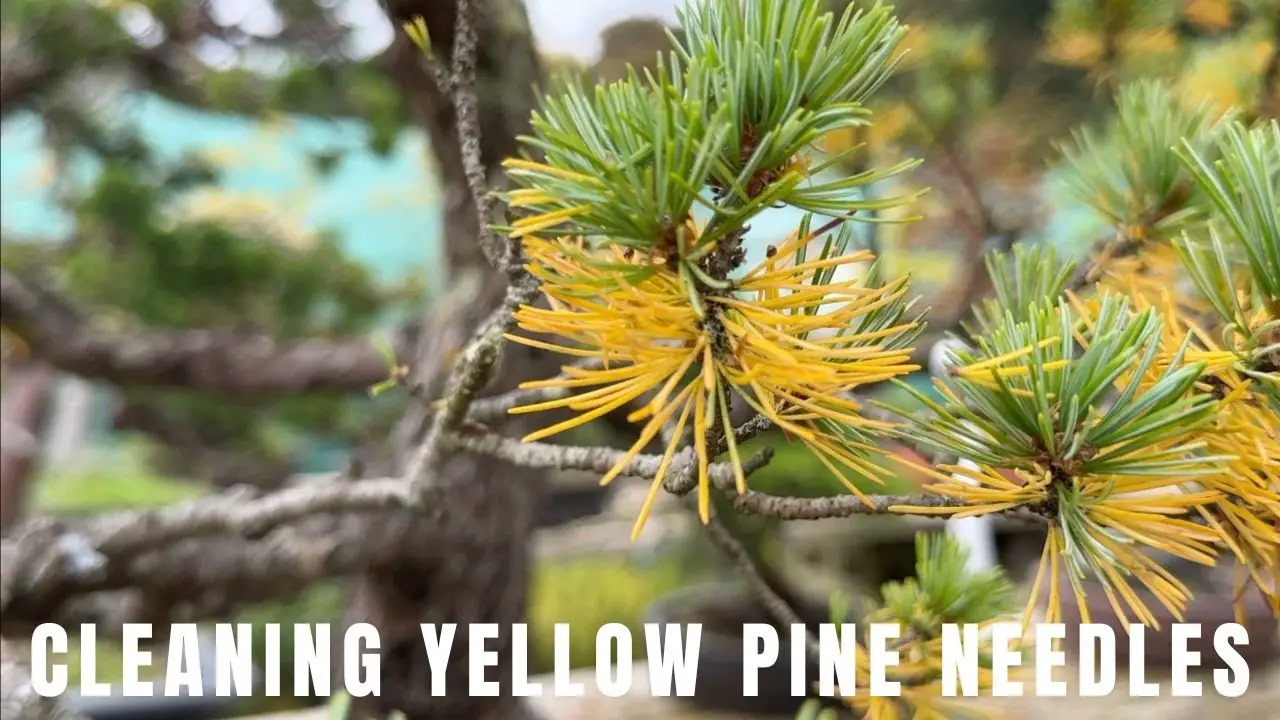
{"x":681,"y":326}
{"x":1139,"y":412}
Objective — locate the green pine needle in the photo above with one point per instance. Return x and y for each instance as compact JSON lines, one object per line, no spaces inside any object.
{"x":1127,"y":173}
{"x":945,"y":590}
{"x":1064,"y":408}
{"x":1243,"y":187}
{"x":1022,"y":278}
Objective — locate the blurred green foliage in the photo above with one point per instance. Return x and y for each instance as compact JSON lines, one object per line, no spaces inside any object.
{"x":796,"y":471}
{"x":587,"y":593}
{"x":122,"y":480}
{"x":155,"y":244}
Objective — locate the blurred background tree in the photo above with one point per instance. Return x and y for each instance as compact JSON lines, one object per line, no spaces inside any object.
{"x":232,"y":331}
{"x":988,"y":86}
{"x":155,"y":241}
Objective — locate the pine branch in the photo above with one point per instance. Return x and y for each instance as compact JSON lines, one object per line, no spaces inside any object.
{"x":469,"y":378}
{"x":841,"y":506}
{"x":774,"y":603}
{"x":51,"y":560}
{"x":495,"y":408}
{"x":585,"y":458}
{"x":210,"y":360}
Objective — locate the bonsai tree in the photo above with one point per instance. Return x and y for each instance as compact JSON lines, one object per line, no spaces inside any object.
{"x":1132,"y":428}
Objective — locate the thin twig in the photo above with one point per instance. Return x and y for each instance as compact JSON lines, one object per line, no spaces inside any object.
{"x":967,"y":180}
{"x":43,"y":551}
{"x":773,"y":603}
{"x":475,"y":368}
{"x":602,"y":459}
{"x":469,"y":377}
{"x":494,"y":408}
{"x":840,"y":506}
{"x":1090,"y":269}
{"x":466,"y":107}
{"x":242,"y":511}
{"x":536,"y":455}
{"x":685,"y":477}
{"x":218,"y":361}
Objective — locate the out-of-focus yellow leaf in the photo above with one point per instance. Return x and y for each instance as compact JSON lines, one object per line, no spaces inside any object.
{"x":1227,"y":75}
{"x":1156,"y":41}
{"x":1209,"y":15}
{"x":1074,"y":48}
{"x":223,"y":155}
{"x":42,"y":175}
{"x":888,"y":125}
{"x":914,"y":46}
{"x":246,"y":213}
{"x":931,"y":267}
{"x":838,"y":140}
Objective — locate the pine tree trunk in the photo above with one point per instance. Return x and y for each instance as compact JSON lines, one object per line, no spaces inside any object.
{"x":18,"y":700}
{"x":24,"y":410}
{"x":481,"y":574}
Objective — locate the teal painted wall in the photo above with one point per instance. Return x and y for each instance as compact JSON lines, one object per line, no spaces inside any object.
{"x":385,"y":210}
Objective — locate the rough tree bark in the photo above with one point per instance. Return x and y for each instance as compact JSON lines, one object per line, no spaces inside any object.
{"x":18,"y":700}
{"x":24,"y":408}
{"x":480,"y":573}
{"x":219,"y":361}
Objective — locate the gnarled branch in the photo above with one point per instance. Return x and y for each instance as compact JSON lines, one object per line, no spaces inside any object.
{"x":211,"y":360}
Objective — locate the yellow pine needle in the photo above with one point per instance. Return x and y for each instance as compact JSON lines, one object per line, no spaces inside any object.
{"x":628,"y":393}
{"x":780,"y":358}
{"x":667,"y":389}
{"x":1053,"y":612}
{"x":583,"y":399}
{"x":650,"y":431}
{"x":1148,"y":531}
{"x":1146,"y":277}
{"x":416,"y":29}
{"x":772,"y":277}
{"x":1002,"y":359}
{"x":823,"y":453}
{"x":731,"y":443}
{"x":1017,"y":392}
{"x":1244,"y":518}
{"x":708,"y":369}
{"x":577,"y":377}
{"x":700,"y":446}
{"x":529,"y":196}
{"x":1036,"y":584}
{"x":863,"y":336}
{"x":804,"y":347}
{"x":563,"y":350}
{"x":647,"y":508}
{"x":535,"y":223}
{"x":1018,"y":371}
{"x":1172,"y":597}
{"x":519,"y":164}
